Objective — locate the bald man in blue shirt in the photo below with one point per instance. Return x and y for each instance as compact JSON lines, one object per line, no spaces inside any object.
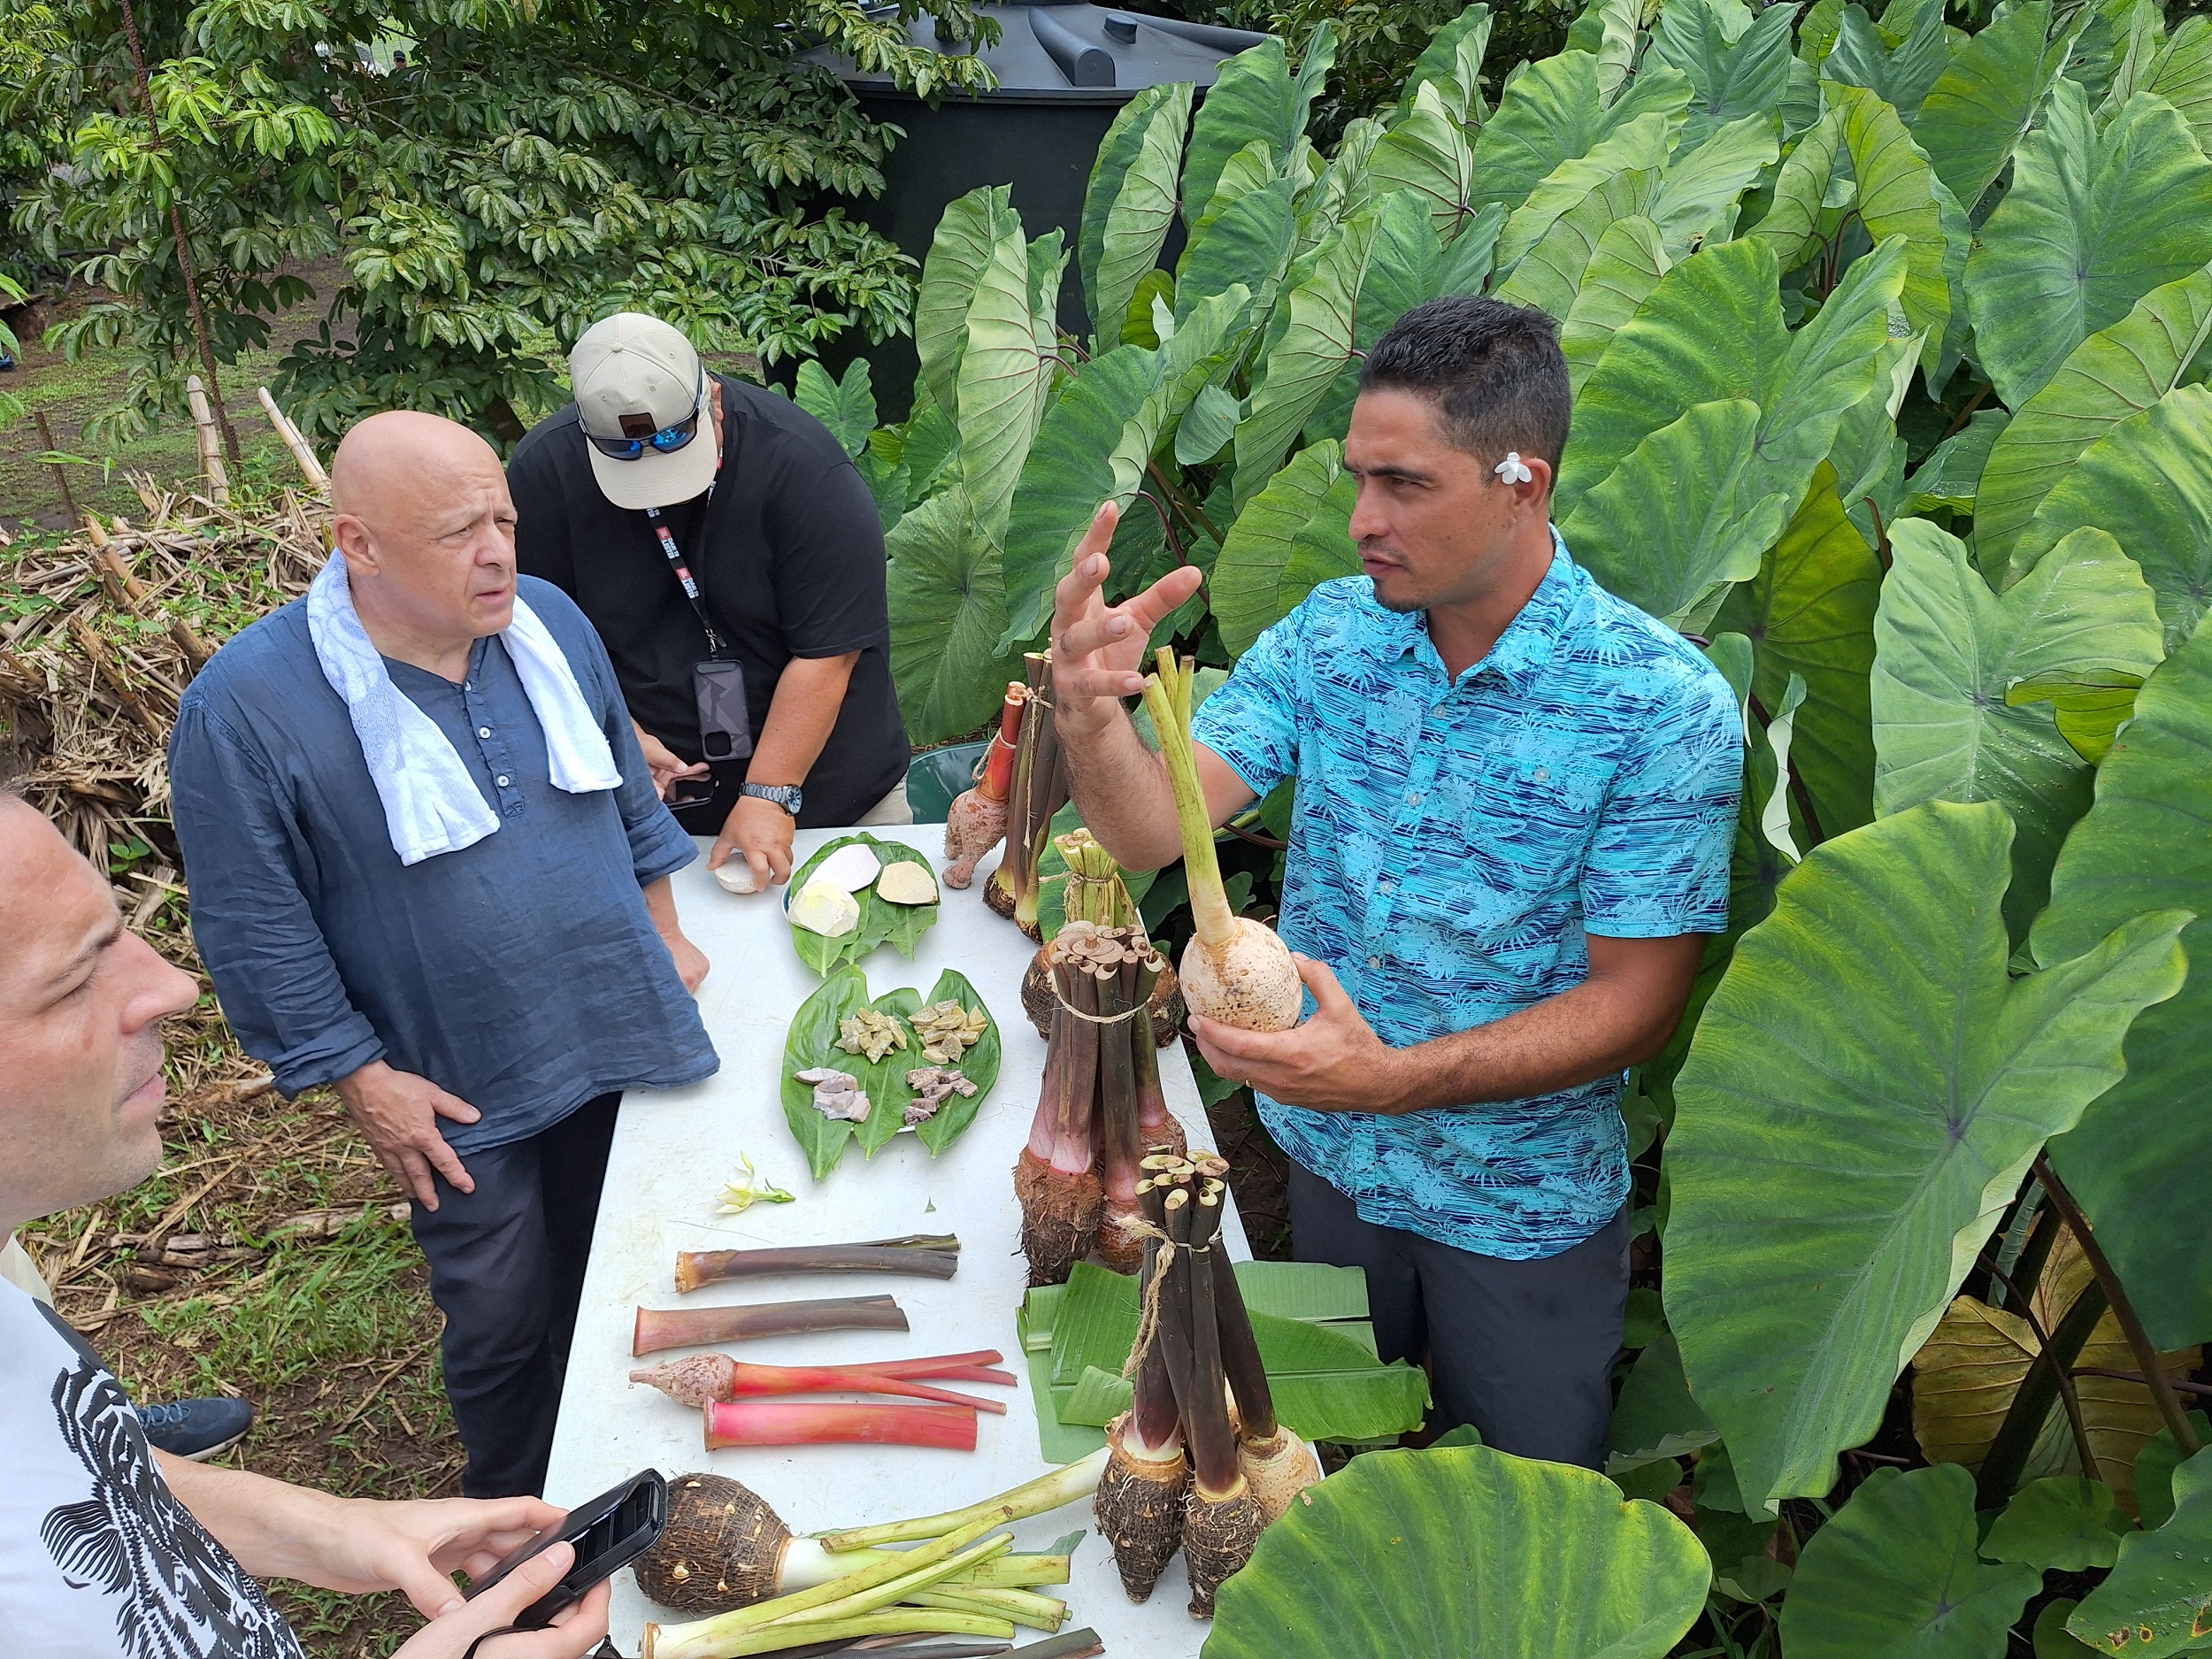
{"x":1516,"y":796}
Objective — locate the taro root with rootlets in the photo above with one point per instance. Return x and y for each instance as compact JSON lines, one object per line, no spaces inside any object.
{"x":1100,"y":1106}
{"x":1234,"y":970}
{"x":977,"y":820}
{"x":1140,"y":1496}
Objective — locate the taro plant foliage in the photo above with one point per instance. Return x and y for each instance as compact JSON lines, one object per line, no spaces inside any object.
{"x":1887,"y":342}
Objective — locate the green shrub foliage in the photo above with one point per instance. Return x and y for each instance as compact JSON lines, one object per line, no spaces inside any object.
{"x":1829,"y":280}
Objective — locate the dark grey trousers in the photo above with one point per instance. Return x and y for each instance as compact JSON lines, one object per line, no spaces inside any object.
{"x":1522,"y":1350}
{"x":506,"y":1269}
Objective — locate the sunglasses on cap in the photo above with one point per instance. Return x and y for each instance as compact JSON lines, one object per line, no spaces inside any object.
{"x":667,"y":441}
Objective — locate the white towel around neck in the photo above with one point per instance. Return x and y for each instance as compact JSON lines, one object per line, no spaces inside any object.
{"x":431,"y":803}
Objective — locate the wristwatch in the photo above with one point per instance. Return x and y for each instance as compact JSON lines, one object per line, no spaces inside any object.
{"x":790,"y":796}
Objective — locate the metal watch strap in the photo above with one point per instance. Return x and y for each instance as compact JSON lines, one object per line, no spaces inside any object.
{"x":790,"y":796}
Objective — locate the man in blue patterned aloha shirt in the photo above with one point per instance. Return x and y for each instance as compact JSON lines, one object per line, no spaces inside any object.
{"x":1517,"y":795}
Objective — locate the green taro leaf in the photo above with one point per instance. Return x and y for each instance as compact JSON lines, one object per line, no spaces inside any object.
{"x":2154,"y":1472}
{"x":1426,"y":153}
{"x":1315,"y":346}
{"x":1293,"y":537}
{"x":1895,"y":1576}
{"x":1550,"y":112}
{"x":1403,"y":269}
{"x":1624,"y":267}
{"x":945,"y":584}
{"x":2136,"y":1161}
{"x":1655,"y":1418}
{"x":2149,"y":482}
{"x":813,"y":1035}
{"x":1248,"y":245}
{"x":1002,"y":378}
{"x":1949,"y":475}
{"x":2092,"y":223}
{"x":847,"y":407}
{"x":2065,"y":1523}
{"x":1683,"y":516}
{"x":1207,"y":427}
{"x":1640,"y":148}
{"x":1454,"y":54}
{"x":1698,"y":195}
{"x":1832,"y":362}
{"x":1945,"y":651}
{"x":1738,"y":62}
{"x":1131,"y":204}
{"x":1867,"y":455}
{"x":1550,"y":274}
{"x":2183,"y":76}
{"x":1711,"y":330}
{"x":1988,"y":97}
{"x":885,"y":1079}
{"x":1606,"y":29}
{"x":2159,"y":1598}
{"x":2116,"y":373}
{"x":1253,"y":97}
{"x":1251,"y":168}
{"x":1897,"y":197}
{"x":2090,"y":708}
{"x":1900,"y":75}
{"x":967,"y":232}
{"x":881,"y":922}
{"x":1792,"y":222}
{"x":1865,"y":1090}
{"x":1461,"y":1552}
{"x":979,"y":1065}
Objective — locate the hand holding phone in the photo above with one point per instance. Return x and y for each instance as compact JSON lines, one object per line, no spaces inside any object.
{"x":466,"y":1630}
{"x":609,"y":1533}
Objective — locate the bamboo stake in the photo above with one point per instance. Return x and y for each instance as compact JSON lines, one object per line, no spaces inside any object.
{"x":90,"y":643}
{"x":61,"y":475}
{"x":130,"y":594}
{"x":211,"y":449}
{"x":297,"y":443}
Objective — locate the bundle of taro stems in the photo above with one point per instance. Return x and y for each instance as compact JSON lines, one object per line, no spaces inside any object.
{"x":1199,"y":1461}
{"x":1036,"y":788}
{"x":1100,"y":1104}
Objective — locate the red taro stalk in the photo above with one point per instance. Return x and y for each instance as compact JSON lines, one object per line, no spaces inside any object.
{"x":704,"y":1379}
{"x":1054,"y":1179}
{"x":787,"y":1423}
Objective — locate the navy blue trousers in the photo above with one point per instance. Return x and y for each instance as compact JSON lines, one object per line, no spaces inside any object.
{"x":1522,"y":1350}
{"x":506,"y":1269}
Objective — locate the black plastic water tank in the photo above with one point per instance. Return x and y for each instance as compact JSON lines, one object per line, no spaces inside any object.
{"x":1063,"y":71}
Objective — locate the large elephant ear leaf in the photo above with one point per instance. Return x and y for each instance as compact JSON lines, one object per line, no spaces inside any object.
{"x":2092,"y":222}
{"x":2149,"y":481}
{"x":967,"y":235}
{"x":2136,"y":1161}
{"x":1792,"y":222}
{"x":1946,"y":650}
{"x":1865,"y":1091}
{"x":1404,"y":268}
{"x":1623,"y":268}
{"x":1550,"y":112}
{"x":1711,"y":330}
{"x":1250,"y":243}
{"x":1293,"y":537}
{"x":1461,"y":1552}
{"x":1731,"y":75}
{"x":1900,"y":75}
{"x":2155,"y":1604}
{"x":1897,"y":198}
{"x":1833,"y":363}
{"x":1131,"y":203}
{"x":2183,"y":77}
{"x":948,"y":610}
{"x":1426,"y":153}
{"x":1895,"y":1572}
{"x":1811,"y":610}
{"x":1454,"y":54}
{"x":1682,"y":518}
{"x":1549,"y":274}
{"x":1988,"y":97}
{"x":1252,"y":97}
{"x":2116,"y":373}
{"x":1698,"y":196}
{"x":999,"y":385}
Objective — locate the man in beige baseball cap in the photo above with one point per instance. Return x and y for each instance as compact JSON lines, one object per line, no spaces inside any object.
{"x":731,"y":558}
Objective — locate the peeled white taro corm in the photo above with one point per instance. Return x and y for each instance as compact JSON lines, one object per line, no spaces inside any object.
{"x":906,"y":882}
{"x":824,"y":908}
{"x":736,"y":876}
{"x":848,"y":869}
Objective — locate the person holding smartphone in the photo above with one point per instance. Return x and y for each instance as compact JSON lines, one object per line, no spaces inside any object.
{"x":720,"y":540}
{"x":110,"y":1547}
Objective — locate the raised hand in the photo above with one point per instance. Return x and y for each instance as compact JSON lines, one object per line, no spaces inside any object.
{"x":1098,"y":650}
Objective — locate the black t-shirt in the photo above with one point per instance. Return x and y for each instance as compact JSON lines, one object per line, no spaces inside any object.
{"x":788,"y":551}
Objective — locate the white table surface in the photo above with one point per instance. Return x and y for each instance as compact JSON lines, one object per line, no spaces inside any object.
{"x":673,"y":1151}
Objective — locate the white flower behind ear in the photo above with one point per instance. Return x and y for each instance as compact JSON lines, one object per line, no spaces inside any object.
{"x":1514,"y":470}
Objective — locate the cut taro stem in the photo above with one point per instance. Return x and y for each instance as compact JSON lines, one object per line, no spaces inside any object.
{"x":1277,"y":1466}
{"x":659,"y":1328}
{"x":705,"y":1378}
{"x":1119,"y":1243}
{"x":695,"y":1268}
{"x":1141,"y":1497}
{"x":1055,"y":1180}
{"x":977,"y":821}
{"x":1222,"y":1520}
{"x":1155,"y":1123}
{"x":1062,"y":1486}
{"x":796,"y":1423}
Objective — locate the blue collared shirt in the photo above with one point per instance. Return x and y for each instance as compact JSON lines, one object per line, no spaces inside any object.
{"x":1452,"y":842}
{"x":522,"y":973}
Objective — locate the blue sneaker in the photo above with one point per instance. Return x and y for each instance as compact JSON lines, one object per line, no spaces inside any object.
{"x":195,"y":1430}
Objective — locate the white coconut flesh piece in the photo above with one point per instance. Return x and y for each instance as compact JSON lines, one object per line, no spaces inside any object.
{"x":736,"y":876}
{"x":906,"y":882}
{"x":848,"y":869}
{"x":822,"y":907}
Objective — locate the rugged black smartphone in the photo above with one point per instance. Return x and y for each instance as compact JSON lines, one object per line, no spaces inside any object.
{"x":609,"y":1533}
